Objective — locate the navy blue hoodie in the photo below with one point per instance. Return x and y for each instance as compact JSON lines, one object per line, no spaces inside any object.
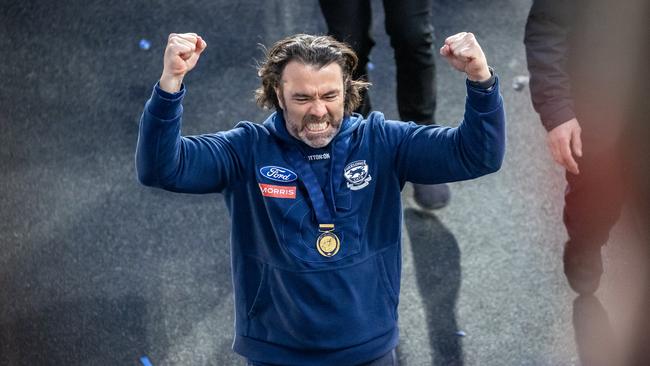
{"x":294,"y":305}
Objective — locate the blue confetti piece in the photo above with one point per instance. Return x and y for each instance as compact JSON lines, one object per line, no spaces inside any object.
{"x":144,"y":44}
{"x":145,"y":361}
{"x":460,"y":333}
{"x":370,"y":66}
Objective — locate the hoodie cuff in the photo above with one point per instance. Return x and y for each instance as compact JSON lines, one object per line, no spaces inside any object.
{"x":481,"y":99}
{"x":164,"y":105}
{"x":487,"y":84}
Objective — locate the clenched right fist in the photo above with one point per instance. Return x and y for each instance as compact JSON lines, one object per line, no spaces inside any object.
{"x":181,"y":54}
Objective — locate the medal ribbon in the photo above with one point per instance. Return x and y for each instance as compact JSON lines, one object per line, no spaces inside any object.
{"x":324,"y":214}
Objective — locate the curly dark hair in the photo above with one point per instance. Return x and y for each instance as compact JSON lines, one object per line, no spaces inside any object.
{"x":318,"y":51}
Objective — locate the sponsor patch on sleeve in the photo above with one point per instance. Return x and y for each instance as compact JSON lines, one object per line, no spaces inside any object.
{"x":269,"y":190}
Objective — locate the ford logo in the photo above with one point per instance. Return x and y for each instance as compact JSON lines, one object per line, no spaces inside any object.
{"x":278,"y":174}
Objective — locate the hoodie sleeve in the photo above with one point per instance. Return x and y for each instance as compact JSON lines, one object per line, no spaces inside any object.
{"x":435,"y":154}
{"x":195,"y":164}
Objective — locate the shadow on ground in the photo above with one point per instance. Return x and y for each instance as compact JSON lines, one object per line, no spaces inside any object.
{"x":80,"y":332}
{"x":436,"y":257}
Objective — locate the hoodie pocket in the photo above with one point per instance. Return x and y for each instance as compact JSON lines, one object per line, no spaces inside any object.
{"x":330,"y":309}
{"x":260,"y":297}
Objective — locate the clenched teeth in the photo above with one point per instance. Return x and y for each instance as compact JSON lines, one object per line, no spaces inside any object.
{"x":316,"y":126}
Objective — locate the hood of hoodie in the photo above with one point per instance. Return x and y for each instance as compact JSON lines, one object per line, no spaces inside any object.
{"x":276,"y":125}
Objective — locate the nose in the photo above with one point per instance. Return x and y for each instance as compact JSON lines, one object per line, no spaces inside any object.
{"x":318,"y":109}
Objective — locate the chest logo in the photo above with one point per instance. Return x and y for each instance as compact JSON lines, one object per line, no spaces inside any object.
{"x":278,"y":174}
{"x":356,"y":174}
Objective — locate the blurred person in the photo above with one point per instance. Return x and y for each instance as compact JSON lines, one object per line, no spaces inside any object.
{"x":579,"y":63}
{"x":314,"y":192}
{"x":587,"y":83}
{"x":409,"y":26}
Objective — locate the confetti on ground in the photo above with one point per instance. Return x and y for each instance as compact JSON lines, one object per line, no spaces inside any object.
{"x":145,"y":361}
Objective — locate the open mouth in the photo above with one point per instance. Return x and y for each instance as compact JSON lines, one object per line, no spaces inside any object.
{"x":316,"y":125}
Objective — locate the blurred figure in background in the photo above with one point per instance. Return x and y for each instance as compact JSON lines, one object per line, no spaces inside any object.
{"x":584,"y":62}
{"x":579,"y":58}
{"x":409,"y":26}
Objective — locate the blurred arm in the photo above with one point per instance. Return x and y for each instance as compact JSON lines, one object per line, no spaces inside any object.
{"x":547,"y":46}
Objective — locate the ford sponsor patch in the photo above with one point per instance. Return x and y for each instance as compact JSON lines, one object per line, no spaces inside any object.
{"x":278,"y":174}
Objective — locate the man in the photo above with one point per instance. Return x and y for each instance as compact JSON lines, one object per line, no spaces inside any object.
{"x":408,"y":24}
{"x":314,"y":193}
{"x":579,"y":56}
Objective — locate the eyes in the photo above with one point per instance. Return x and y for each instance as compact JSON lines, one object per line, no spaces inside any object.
{"x":329,"y":97}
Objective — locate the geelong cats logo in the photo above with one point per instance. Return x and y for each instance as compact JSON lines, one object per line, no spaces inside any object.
{"x":356,"y":173}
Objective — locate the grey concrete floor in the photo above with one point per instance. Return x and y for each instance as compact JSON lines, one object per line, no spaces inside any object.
{"x":98,"y":270}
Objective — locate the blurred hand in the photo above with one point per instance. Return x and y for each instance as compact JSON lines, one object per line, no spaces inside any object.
{"x":181,"y":55}
{"x":564,"y":141}
{"x":464,"y":53}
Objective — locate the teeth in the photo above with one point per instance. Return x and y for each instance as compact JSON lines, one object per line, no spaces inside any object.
{"x":316,"y":127}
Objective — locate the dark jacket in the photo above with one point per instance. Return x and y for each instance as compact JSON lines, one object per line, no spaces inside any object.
{"x":579,"y":60}
{"x":547,"y":51}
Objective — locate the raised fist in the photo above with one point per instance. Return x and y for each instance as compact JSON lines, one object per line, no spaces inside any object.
{"x":464,"y":53}
{"x":181,"y":54}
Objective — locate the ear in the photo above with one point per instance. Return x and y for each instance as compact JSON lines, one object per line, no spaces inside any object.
{"x":278,"y":94}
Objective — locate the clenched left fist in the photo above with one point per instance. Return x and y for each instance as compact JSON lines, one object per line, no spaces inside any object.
{"x":464,"y":53}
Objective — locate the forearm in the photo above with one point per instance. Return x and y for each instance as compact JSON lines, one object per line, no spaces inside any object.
{"x":480,"y":143}
{"x":158,"y":147}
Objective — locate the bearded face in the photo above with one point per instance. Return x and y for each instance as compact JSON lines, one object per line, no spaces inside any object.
{"x":312,"y":100}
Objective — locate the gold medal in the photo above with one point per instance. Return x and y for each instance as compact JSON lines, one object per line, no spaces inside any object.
{"x":328,"y":244}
